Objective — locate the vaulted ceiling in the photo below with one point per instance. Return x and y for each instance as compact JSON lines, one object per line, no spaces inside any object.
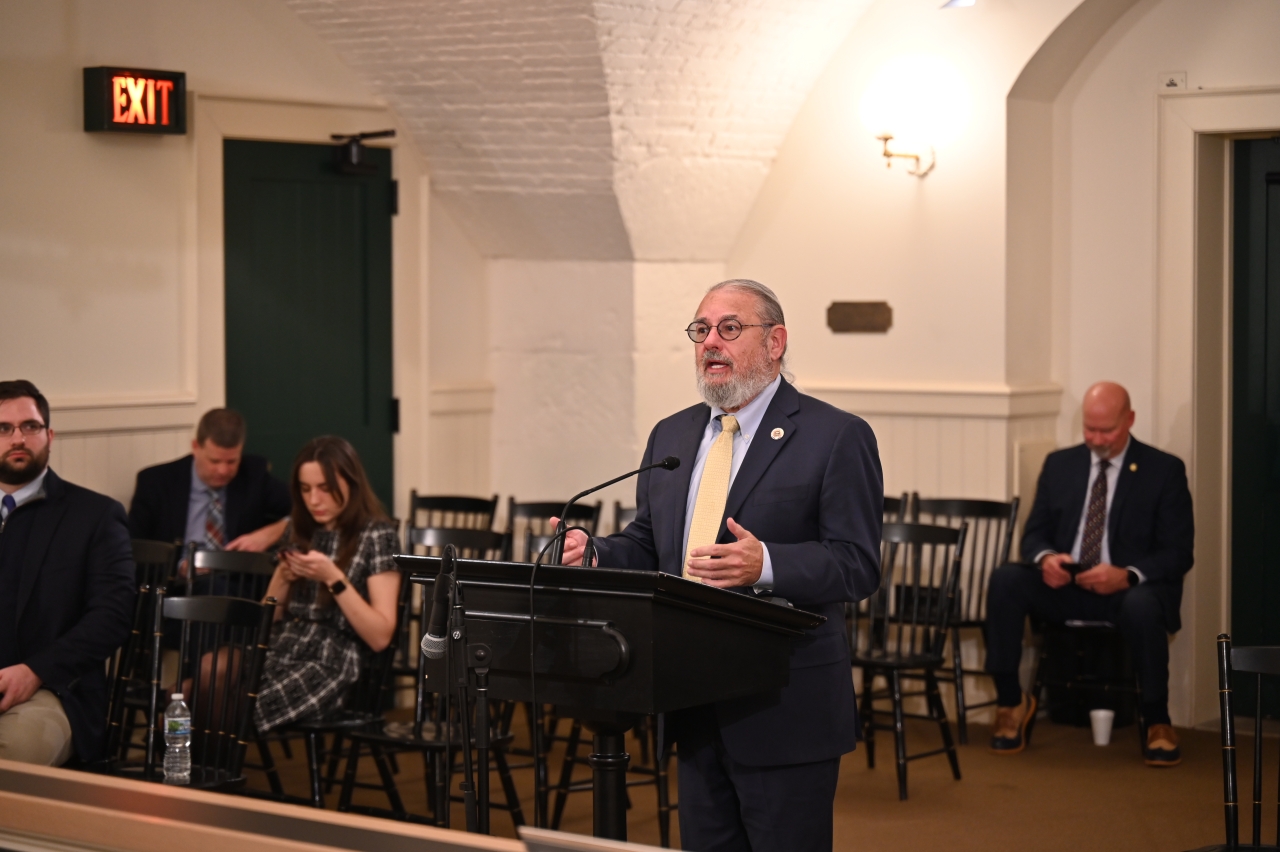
{"x":572,"y":129}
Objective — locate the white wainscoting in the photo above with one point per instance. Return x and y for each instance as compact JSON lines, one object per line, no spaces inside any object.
{"x":102,"y":444}
{"x":459,"y":444}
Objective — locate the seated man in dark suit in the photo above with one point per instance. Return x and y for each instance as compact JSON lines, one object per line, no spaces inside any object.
{"x":217,"y":498}
{"x":66,"y":594}
{"x":1109,"y":538}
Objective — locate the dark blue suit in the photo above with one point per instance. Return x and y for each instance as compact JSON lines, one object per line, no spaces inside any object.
{"x":1150,"y":527}
{"x":67,"y":593}
{"x":158,"y":512}
{"x":814,"y":498}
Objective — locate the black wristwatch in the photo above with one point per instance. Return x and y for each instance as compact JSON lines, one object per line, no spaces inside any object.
{"x":1134,"y":579}
{"x":337,"y":588}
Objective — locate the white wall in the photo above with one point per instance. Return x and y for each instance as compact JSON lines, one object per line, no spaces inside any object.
{"x":99,"y":232}
{"x":562,"y":338}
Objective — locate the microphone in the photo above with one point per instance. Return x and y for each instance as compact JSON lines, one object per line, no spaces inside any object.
{"x":557,"y":546}
{"x":436,"y":638}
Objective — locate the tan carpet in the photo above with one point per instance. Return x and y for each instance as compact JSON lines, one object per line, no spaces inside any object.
{"x":1063,"y":793}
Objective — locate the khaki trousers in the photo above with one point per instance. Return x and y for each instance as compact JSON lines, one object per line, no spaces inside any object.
{"x":36,"y":731}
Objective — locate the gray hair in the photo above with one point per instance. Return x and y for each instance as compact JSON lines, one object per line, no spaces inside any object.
{"x":767,"y":303}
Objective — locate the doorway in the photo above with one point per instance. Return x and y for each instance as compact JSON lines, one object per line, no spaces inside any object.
{"x":308,"y":302}
{"x":1255,"y":464}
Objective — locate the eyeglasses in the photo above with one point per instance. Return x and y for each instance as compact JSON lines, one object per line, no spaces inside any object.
{"x":29,"y":428}
{"x":727,"y":329}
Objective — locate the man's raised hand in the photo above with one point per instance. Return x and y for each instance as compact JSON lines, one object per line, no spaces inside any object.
{"x":726,"y":565}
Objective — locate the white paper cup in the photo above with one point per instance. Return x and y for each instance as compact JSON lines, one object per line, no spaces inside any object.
{"x":1102,"y":720}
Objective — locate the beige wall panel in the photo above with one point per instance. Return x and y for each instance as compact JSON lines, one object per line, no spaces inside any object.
{"x":108,"y":462}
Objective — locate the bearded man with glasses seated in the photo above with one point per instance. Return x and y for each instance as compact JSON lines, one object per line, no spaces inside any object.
{"x":66,"y":593}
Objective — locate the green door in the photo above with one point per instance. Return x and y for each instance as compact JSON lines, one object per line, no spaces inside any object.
{"x":308,"y":302}
{"x":1255,"y":449}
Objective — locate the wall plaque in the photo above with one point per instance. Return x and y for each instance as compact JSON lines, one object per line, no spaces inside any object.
{"x":859,"y":316}
{"x":135,"y":100}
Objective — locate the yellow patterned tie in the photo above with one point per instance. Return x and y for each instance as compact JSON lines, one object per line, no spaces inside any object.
{"x":713,"y":492}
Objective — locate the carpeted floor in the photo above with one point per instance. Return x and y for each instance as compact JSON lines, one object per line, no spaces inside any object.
{"x":1063,"y":793}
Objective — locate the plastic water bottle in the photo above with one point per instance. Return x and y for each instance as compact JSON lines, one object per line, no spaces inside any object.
{"x":177,"y":741}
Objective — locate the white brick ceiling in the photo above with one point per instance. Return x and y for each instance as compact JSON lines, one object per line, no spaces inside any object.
{"x":592,"y":130}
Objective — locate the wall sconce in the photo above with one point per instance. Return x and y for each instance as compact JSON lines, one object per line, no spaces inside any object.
{"x":920,"y":169}
{"x":915,"y":102}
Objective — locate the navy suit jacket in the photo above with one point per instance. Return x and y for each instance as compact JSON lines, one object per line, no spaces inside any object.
{"x":75,"y":599}
{"x":161,"y":497}
{"x":1150,"y":527}
{"x":814,"y":497}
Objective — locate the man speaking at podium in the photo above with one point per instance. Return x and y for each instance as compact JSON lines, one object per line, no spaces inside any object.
{"x":779,"y":494}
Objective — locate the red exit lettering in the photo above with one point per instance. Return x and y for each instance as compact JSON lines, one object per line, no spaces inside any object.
{"x":133,"y":100}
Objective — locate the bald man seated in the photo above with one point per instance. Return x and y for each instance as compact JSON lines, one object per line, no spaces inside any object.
{"x":1109,"y":538}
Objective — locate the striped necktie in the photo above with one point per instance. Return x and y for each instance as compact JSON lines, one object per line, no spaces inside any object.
{"x":215,"y":523}
{"x":1095,"y":523}
{"x":713,"y":492}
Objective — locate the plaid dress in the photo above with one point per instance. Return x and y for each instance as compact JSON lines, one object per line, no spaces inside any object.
{"x":315,"y":655}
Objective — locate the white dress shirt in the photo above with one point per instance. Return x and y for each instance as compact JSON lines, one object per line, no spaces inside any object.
{"x":27,"y":493}
{"x":749,"y":417}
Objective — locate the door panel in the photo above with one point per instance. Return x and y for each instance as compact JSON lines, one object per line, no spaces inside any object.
{"x":1255,"y":448}
{"x":308,"y":302}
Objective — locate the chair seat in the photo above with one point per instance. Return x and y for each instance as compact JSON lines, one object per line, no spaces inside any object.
{"x":345,"y":722}
{"x":888,"y":660}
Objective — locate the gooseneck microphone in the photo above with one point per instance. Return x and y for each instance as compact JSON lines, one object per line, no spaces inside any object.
{"x":436,"y":639}
{"x":557,"y":545}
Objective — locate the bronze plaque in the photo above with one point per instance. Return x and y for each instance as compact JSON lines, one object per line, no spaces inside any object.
{"x":860,"y":316}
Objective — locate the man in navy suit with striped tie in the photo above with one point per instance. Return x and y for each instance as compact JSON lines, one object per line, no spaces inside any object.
{"x":1109,"y":538}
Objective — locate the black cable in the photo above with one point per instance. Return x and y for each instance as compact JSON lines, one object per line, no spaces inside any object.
{"x":536,"y":722}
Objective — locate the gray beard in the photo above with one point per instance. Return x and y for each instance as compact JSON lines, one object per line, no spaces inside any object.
{"x":743,"y":386}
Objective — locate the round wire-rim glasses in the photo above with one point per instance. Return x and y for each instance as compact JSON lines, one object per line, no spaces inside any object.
{"x":729,"y":329}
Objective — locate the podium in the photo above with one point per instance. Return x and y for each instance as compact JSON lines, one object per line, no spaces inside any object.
{"x":610,"y":646}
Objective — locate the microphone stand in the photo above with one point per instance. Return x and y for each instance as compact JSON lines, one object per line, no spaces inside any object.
{"x":461,"y":675}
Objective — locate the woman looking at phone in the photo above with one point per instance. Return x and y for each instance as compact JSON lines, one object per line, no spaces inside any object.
{"x":336,"y":585}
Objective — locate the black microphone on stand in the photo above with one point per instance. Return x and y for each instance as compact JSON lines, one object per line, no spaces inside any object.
{"x":436,"y":639}
{"x":557,"y":544}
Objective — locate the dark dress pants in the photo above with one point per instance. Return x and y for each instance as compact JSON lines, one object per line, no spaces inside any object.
{"x":1017,"y":590}
{"x":728,"y":807}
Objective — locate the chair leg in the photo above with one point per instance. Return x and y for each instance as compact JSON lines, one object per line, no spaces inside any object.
{"x":349,"y":777}
{"x":509,"y":787}
{"x":939,"y":712}
{"x":388,"y":780}
{"x":899,"y":732}
{"x":286,"y":748}
{"x":962,"y":720}
{"x":868,"y":717}
{"x":566,"y":774}
{"x":269,"y":766}
{"x":314,"y":747}
{"x":335,"y":755}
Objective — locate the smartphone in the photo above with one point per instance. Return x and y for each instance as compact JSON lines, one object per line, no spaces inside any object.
{"x":300,"y":549}
{"x":1072,"y":568}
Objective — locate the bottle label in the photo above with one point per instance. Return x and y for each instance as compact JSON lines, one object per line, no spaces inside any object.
{"x":178,"y":727}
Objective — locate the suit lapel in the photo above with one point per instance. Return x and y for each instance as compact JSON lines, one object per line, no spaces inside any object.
{"x":181,"y":503}
{"x":1124,"y":484}
{"x":1078,"y":486}
{"x":677,"y":485}
{"x":237,"y":491}
{"x":762,"y":452}
{"x":43,"y":528}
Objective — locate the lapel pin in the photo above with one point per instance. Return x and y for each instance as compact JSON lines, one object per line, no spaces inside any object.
{"x":1133,"y":467}
{"x":777,"y":433}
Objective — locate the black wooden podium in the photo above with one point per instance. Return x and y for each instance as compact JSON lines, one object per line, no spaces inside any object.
{"x":611,"y":646}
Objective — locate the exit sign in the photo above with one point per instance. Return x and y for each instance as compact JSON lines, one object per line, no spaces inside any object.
{"x":135,"y":100}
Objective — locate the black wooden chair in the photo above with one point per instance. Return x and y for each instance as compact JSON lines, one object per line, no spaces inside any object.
{"x":133,"y":691}
{"x":471,"y":544}
{"x":221,"y":650}
{"x":234,"y":573}
{"x":451,"y":512}
{"x":362,"y":708}
{"x":622,"y":517}
{"x":902,"y":629}
{"x":535,"y":518}
{"x":1257,"y":661}
{"x":897,"y":510}
{"x":987,"y":547}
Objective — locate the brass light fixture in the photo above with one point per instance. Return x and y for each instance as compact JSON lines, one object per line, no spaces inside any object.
{"x":920,"y":169}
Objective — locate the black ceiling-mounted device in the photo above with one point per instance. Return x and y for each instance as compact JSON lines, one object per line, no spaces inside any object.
{"x":348,"y":156}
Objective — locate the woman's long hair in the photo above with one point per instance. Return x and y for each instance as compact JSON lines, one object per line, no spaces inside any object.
{"x":337,"y":458}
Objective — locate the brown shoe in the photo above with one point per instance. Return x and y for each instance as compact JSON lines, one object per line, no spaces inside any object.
{"x":1162,"y":746}
{"x":1013,"y":726}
